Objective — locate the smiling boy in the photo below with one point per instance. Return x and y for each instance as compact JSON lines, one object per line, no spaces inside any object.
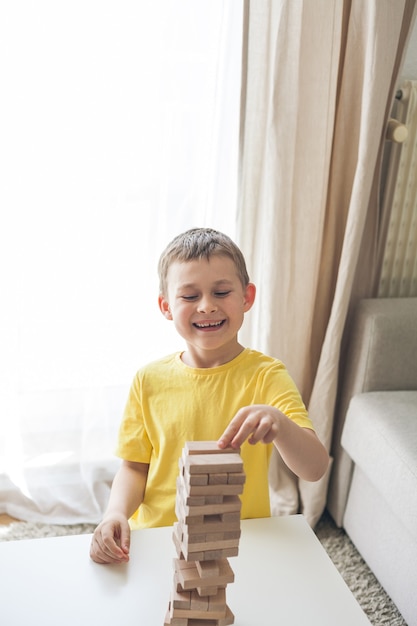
{"x":214,"y":390}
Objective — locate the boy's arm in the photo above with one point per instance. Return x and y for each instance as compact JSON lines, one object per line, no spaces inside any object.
{"x":300,"y":448}
{"x":111,"y":539}
{"x":302,"y":451}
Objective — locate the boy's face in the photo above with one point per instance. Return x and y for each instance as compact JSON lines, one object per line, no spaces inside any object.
{"x":207,"y":303}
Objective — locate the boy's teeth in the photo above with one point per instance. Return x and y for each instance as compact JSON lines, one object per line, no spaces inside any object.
{"x":208,"y":325}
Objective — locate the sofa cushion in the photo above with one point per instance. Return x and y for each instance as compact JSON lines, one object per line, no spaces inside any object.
{"x":380,"y":435}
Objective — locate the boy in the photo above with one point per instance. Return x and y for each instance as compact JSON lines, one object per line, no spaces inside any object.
{"x":215,"y":390}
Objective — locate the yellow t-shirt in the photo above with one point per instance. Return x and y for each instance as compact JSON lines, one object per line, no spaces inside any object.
{"x":170,"y":403}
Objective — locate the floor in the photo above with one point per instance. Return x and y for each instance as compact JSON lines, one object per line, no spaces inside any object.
{"x":5,"y":519}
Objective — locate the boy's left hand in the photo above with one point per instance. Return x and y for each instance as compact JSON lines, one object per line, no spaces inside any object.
{"x":259,"y":422}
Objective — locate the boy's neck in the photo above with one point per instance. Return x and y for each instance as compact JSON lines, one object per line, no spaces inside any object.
{"x":197,"y":359}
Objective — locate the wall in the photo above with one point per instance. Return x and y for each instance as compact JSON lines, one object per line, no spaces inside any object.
{"x":409,"y":70}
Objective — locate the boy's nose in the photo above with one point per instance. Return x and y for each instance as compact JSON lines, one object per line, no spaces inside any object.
{"x":206,"y":305}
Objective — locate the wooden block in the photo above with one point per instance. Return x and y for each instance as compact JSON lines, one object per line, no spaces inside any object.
{"x":195,"y":479}
{"x":181,"y":599}
{"x":198,"y":479}
{"x":203,"y":591}
{"x":189,"y":577}
{"x":236,"y":478}
{"x":218,"y":487}
{"x":193,"y":539}
{"x":177,"y":582}
{"x":187,"y":534}
{"x":218,"y":479}
{"x":213,"y":523}
{"x":177,"y":534}
{"x":234,"y":534}
{"x":189,"y":554}
{"x":229,"y":489}
{"x":208,"y":555}
{"x":213,"y":463}
{"x":195,"y":614}
{"x":208,"y":591}
{"x":224,"y":621}
{"x":201,"y":622}
{"x":231,"y":517}
{"x":208,"y":569}
{"x":183,"y":550}
{"x":181,"y":564}
{"x":230,"y":504}
{"x":187,"y":498}
{"x":218,"y":601}
{"x":216,"y":499}
{"x":188,"y":548}
{"x":178,"y":548}
{"x":199,"y":603}
{"x":195,"y":500}
{"x":180,"y":512}
{"x":182,"y":621}
{"x":207,"y":447}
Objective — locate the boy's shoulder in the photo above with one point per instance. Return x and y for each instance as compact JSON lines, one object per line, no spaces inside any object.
{"x":159,"y":364}
{"x":260,"y":358}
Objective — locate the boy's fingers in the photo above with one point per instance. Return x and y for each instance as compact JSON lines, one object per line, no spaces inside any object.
{"x":110,"y":543}
{"x":231,"y":437}
{"x":125,"y":539}
{"x":119,"y":541}
{"x":226,"y":439}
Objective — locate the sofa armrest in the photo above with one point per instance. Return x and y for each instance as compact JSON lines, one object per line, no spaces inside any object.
{"x":382,"y":356}
{"x":383,"y":350}
{"x":380,"y":436}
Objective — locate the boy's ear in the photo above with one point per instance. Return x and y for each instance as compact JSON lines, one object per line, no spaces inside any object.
{"x":164,"y":307}
{"x":249,"y":296}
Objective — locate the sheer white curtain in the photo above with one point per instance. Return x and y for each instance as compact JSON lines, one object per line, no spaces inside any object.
{"x":119,"y":128}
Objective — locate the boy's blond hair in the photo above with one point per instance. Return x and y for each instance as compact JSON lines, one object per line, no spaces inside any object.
{"x":198,"y":243}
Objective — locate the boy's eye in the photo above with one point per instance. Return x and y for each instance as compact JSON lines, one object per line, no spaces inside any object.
{"x":217,"y":294}
{"x":222,"y":294}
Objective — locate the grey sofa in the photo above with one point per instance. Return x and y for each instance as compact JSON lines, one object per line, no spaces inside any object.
{"x":373,"y":486}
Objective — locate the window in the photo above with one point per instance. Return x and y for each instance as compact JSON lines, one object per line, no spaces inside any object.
{"x":119,"y":128}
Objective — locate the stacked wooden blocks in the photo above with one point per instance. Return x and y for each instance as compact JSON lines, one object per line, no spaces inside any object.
{"x":207,"y":533}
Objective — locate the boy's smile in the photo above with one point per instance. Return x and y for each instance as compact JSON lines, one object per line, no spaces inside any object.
{"x":207,"y":301}
{"x":209,"y":325}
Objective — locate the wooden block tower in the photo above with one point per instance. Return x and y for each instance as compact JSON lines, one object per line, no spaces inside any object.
{"x":206,"y":534}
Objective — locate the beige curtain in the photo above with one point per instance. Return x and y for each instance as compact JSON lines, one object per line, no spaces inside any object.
{"x":398,"y":271}
{"x":318,"y":82}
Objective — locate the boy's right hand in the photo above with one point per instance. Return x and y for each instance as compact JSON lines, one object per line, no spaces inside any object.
{"x":111,"y":541}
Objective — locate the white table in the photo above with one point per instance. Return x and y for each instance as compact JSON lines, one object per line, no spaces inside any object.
{"x":283,"y":577}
